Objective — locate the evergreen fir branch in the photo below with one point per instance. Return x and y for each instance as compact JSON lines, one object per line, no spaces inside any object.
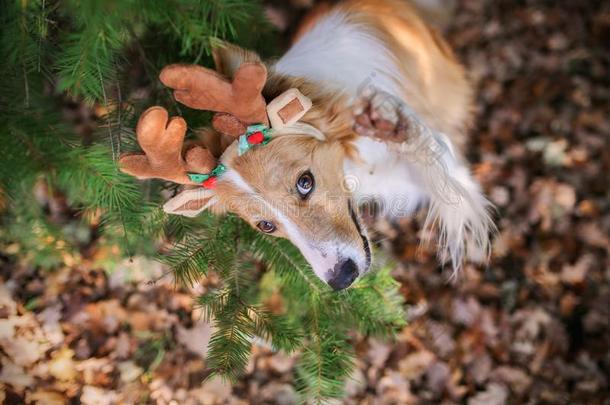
{"x":221,"y":16}
{"x":156,"y":221}
{"x":206,"y":244}
{"x":14,"y":157}
{"x":25,"y":31}
{"x":213,"y":302}
{"x":375,"y":305}
{"x":87,"y":57}
{"x":276,"y":329}
{"x":82,"y":45}
{"x":94,"y":181}
{"x":32,"y":147}
{"x":324,"y":365}
{"x":230,"y":345}
{"x":189,"y":260}
{"x":88,"y":54}
{"x":177,"y":227}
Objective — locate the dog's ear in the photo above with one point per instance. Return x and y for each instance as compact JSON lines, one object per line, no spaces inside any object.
{"x":228,"y":58}
{"x":192,"y":202}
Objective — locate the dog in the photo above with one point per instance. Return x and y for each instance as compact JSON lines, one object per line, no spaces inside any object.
{"x":368,"y":104}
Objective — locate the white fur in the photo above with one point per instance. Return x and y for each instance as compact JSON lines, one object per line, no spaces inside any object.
{"x":385,"y":177}
{"x":338,"y":54}
{"x":341,"y":55}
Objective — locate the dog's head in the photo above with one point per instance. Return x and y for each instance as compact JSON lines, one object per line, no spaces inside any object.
{"x":290,"y":187}
{"x":293,"y":188}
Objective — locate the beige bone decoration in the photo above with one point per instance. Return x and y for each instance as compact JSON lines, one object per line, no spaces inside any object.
{"x":287,"y":108}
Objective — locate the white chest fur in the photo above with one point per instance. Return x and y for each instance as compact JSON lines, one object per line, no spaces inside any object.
{"x":384,"y":177}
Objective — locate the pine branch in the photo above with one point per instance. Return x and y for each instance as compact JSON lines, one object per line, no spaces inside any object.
{"x":230,"y":345}
{"x":282,"y":334}
{"x":189,"y":259}
{"x":326,"y":361}
{"x":374,"y":304}
{"x":81,"y":47}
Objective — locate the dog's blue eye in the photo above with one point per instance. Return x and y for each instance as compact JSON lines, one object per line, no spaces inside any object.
{"x":266,"y":226}
{"x":305,"y":184}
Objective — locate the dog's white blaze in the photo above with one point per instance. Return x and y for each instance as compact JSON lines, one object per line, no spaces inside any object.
{"x":322,"y":256}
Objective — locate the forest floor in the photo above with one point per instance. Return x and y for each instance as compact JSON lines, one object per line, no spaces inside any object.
{"x":532,"y":327}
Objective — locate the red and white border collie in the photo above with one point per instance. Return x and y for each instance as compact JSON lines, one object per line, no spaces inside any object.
{"x":306,"y":184}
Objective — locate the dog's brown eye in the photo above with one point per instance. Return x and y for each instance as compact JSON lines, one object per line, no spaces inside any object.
{"x":305,"y":184}
{"x":266,"y":226}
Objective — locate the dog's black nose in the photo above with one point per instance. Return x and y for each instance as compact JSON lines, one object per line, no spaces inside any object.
{"x":344,"y":275}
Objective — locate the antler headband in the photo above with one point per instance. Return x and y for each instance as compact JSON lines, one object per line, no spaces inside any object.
{"x":241,"y":112}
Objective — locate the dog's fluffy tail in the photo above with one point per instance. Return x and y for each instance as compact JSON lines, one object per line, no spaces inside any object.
{"x":457,"y":207}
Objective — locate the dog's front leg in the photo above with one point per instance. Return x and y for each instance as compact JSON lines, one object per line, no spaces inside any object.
{"x":386,"y":118}
{"x":378,"y":115}
{"x":456,"y":203}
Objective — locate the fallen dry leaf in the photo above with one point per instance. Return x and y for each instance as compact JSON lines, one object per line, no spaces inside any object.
{"x":14,"y":375}
{"x":494,"y":394}
{"x":62,"y":365}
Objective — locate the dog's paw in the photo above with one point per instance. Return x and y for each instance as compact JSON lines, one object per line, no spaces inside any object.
{"x":379,"y":116}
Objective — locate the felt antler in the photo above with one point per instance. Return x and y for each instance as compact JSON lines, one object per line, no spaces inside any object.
{"x":162,"y":140}
{"x":238,"y":103}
